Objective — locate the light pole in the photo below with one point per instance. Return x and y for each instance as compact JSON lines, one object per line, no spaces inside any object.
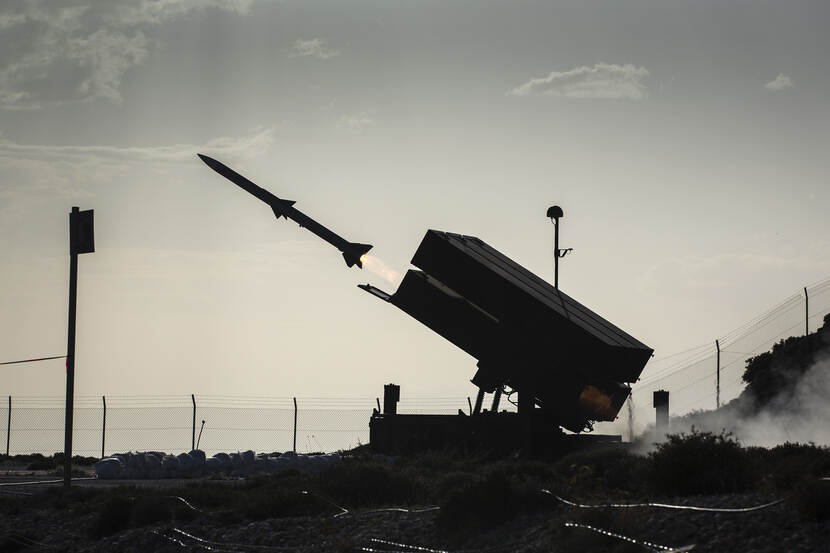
{"x":554,"y":214}
{"x":81,"y":240}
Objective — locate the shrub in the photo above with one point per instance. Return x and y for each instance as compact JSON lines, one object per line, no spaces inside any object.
{"x":361,"y":484}
{"x":491,"y":500}
{"x":150,"y":509}
{"x":113,"y":516}
{"x":812,"y":499}
{"x":58,"y":458}
{"x":788,"y":465}
{"x":609,"y":470}
{"x":699,"y":463}
{"x":44,"y":463}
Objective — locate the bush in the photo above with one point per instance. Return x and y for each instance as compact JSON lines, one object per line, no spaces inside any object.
{"x":494,"y":499}
{"x":699,"y":463}
{"x":606,"y":470}
{"x":58,"y":458}
{"x":113,"y":516}
{"x":356,"y":484}
{"x":150,"y":509}
{"x":43,"y":463}
{"x":788,"y":465}
{"x":812,"y":499}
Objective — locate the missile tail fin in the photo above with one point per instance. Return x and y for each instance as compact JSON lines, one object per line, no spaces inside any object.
{"x":354,"y":254}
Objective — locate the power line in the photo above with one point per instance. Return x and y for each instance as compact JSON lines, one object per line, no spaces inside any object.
{"x":33,"y":360}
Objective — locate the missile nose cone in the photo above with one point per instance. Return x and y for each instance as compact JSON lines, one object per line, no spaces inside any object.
{"x":215,"y":165}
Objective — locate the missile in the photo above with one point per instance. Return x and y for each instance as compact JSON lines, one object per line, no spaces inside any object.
{"x":353,"y":252}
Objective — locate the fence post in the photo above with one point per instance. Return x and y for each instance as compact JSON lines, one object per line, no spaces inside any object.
{"x":193,"y":428}
{"x":9,"y":426}
{"x":717,"y":385}
{"x":806,"y":312}
{"x":104,"y":427}
{"x":295,"y":426}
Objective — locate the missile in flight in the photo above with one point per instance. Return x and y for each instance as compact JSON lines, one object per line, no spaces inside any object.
{"x":353,"y":252}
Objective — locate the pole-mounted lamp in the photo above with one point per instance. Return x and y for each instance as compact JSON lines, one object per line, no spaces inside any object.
{"x":554,"y":214}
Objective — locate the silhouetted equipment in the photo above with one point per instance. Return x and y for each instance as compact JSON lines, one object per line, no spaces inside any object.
{"x":353,"y":252}
{"x":81,"y":240}
{"x":391,"y":397}
{"x":554,"y":213}
{"x":661,"y":405}
{"x":567,"y":364}
{"x":717,"y":370}
{"x":81,"y":231}
{"x":488,"y":430}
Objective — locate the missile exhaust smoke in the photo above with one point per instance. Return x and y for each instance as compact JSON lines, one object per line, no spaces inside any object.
{"x":378,"y":267}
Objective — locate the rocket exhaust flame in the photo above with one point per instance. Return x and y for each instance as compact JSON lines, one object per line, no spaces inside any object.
{"x":377,"y":267}
{"x":598,"y":403}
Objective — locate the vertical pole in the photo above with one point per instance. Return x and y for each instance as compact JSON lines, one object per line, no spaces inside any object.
{"x":9,"y":426}
{"x":556,"y":253}
{"x":70,"y":353}
{"x":295,"y":426}
{"x":470,"y":403}
{"x":717,"y":386}
{"x":193,"y":427}
{"x":479,"y":400}
{"x":104,"y":427}
{"x":496,"y":398}
{"x":806,"y":312}
{"x":630,"y":417}
{"x":377,"y":400}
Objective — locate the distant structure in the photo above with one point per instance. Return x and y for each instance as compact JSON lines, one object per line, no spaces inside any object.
{"x":661,"y":407}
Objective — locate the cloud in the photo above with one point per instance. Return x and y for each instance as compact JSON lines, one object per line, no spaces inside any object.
{"x":316,"y":47}
{"x":67,"y":170}
{"x":159,"y":11}
{"x":53,"y":52}
{"x":231,"y":148}
{"x":603,"y":80}
{"x":780,"y":83}
{"x":356,"y":122}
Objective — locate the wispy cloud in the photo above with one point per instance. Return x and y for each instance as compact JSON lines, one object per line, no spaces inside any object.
{"x":603,"y":80}
{"x":356,"y":122}
{"x":315,"y":47}
{"x":780,"y":82}
{"x":58,"y":51}
{"x":29,"y":170}
{"x":231,"y":148}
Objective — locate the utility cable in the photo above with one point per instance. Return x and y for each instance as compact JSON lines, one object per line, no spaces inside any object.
{"x":33,"y":360}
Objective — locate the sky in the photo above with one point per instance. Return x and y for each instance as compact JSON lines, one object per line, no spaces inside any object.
{"x":685,"y":141}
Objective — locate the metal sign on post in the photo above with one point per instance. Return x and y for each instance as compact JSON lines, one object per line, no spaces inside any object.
{"x":81,"y":240}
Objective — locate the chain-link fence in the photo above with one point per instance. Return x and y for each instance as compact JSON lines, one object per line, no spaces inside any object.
{"x":174,"y":424}
{"x":691,"y":376}
{"x":220,"y":423}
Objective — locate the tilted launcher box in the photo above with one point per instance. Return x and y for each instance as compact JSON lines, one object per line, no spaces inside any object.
{"x":567,"y":364}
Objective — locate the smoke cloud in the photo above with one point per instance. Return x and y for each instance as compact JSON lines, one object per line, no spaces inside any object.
{"x":799,"y":414}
